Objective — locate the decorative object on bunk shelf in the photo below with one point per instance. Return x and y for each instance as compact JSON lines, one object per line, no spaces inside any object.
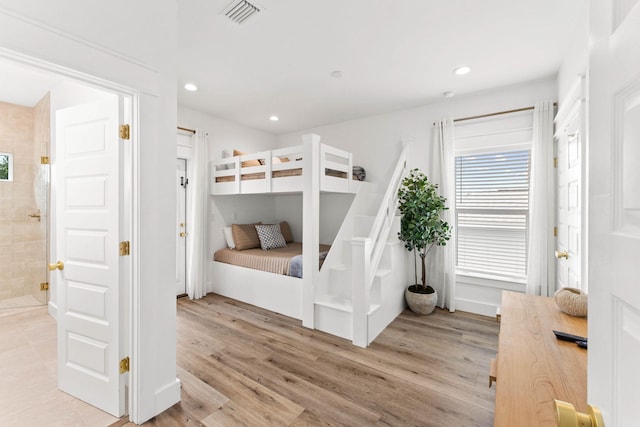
{"x":359,"y":173}
{"x":571,"y":301}
{"x":421,"y":228}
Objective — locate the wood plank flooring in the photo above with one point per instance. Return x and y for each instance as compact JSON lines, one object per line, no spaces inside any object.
{"x":245,"y":366}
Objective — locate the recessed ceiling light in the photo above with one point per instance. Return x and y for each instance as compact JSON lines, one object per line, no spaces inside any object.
{"x":448,"y":94}
{"x":462,"y":70}
{"x":274,"y":118}
{"x":191,"y":87}
{"x":336,"y":74}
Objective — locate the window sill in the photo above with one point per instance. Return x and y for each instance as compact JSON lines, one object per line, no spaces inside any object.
{"x":490,"y":280}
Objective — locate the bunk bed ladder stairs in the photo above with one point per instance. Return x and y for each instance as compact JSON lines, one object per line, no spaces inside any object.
{"x":362,"y":283}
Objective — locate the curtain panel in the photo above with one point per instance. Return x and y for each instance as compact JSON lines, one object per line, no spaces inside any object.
{"x":541,"y":203}
{"x":441,"y":271}
{"x":196,"y":216}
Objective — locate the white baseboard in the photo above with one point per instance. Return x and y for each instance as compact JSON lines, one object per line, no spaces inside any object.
{"x":482,"y":308}
{"x":52,"y":308}
{"x":167,"y":396}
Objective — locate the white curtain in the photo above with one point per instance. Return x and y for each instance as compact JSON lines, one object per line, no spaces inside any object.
{"x":541,"y":191}
{"x":441,"y":273}
{"x":197,"y":216}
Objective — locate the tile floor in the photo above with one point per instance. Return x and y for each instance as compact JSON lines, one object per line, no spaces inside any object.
{"x":28,"y":390}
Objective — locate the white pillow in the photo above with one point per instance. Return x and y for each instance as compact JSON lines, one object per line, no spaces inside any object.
{"x":226,"y":154}
{"x":270,"y":236}
{"x":229,"y":236}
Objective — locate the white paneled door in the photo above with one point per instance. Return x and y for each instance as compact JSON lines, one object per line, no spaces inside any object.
{"x":570,"y":134}
{"x":88,"y":184}
{"x":181,"y":229}
{"x":614,"y":210}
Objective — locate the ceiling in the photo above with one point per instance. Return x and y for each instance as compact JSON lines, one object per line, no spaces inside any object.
{"x":393,"y":54}
{"x":24,"y":85}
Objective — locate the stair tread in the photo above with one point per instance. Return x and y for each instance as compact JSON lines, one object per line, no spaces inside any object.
{"x":345,"y":307}
{"x":342,"y":306}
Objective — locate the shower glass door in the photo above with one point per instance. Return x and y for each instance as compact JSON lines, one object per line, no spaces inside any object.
{"x":24,"y":205}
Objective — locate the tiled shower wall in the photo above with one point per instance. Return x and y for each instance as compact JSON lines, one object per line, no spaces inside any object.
{"x":24,"y":132}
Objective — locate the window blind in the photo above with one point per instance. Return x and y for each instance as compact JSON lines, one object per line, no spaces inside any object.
{"x":492,"y":202}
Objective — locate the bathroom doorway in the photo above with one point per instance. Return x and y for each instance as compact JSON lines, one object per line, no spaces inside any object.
{"x":24,"y":187}
{"x":67,"y":167}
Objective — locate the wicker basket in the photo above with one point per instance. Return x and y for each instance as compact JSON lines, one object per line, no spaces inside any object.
{"x":571,"y":301}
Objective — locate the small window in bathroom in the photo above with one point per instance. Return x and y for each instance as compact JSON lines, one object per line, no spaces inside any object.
{"x":6,"y":167}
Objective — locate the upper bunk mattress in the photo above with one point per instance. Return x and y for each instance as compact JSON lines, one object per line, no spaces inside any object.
{"x":273,"y":261}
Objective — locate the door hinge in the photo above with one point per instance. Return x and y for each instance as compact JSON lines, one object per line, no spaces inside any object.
{"x":125,"y":132}
{"x":44,"y":286}
{"x":555,"y":162}
{"x":124,"y":248}
{"x":124,"y":365}
{"x":555,"y":231}
{"x":44,"y":160}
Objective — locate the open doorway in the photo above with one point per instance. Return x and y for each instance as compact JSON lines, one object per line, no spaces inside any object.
{"x":181,"y":230}
{"x":32,"y":100}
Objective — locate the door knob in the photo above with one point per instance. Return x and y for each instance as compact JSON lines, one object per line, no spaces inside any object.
{"x":562,"y":254}
{"x":57,"y":266}
{"x":567,"y":416}
{"x":183,"y":234}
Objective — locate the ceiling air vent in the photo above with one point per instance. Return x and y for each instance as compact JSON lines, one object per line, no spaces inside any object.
{"x":240,"y":10}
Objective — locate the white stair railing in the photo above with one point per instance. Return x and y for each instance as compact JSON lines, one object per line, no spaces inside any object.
{"x":367,"y":252}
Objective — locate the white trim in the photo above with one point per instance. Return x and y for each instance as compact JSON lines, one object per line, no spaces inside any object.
{"x":167,"y":396}
{"x":489,"y":281}
{"x":310,"y":226}
{"x":52,"y":309}
{"x":476,"y":307}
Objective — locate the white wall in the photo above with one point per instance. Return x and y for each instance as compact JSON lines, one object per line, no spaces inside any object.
{"x":576,"y":61}
{"x":224,"y":134}
{"x":376,"y":143}
{"x":136,"y":50}
{"x":333,"y":209}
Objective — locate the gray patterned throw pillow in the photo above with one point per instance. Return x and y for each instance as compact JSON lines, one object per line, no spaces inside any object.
{"x":270,"y":236}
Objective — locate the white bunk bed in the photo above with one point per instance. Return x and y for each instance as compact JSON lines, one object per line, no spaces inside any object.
{"x":308,"y":169}
{"x":360,"y":289}
{"x":281,"y":171}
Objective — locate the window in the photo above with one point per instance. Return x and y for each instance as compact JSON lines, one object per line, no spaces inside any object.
{"x":6,"y":167}
{"x":492,"y":201}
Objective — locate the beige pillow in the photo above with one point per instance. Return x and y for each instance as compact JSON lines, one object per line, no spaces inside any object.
{"x":274,"y":160}
{"x":245,"y":236}
{"x":286,"y":232}
{"x":247,"y":163}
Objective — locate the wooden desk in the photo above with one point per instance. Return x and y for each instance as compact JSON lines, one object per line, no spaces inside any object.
{"x":533,"y":366}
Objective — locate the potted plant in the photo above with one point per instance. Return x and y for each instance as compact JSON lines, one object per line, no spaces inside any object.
{"x":421,"y":228}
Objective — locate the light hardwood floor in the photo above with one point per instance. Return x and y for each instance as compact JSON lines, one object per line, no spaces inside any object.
{"x":242,"y":365}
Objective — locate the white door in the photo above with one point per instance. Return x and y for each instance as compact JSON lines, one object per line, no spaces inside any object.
{"x":181,"y":230}
{"x":90,"y":287}
{"x":614,"y":210}
{"x":569,"y":139}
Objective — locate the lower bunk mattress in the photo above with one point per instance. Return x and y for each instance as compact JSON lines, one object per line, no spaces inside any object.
{"x":286,"y":261}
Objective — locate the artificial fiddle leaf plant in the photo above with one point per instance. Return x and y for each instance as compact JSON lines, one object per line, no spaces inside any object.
{"x":421,"y":225}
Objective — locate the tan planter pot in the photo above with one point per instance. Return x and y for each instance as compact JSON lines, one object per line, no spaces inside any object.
{"x":421,"y":303}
